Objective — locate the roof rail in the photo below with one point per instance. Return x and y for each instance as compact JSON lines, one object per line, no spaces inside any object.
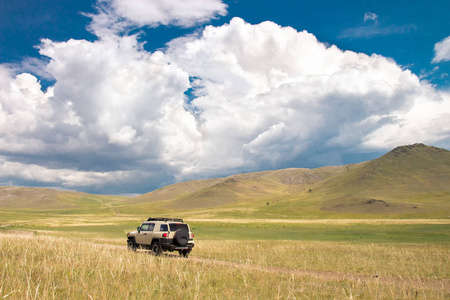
{"x":165,"y":219}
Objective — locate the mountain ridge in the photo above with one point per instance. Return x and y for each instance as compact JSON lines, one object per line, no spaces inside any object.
{"x":408,"y":180}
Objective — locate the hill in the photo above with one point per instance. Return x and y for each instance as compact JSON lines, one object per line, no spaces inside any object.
{"x":237,"y":189}
{"x":410,"y":181}
{"x":45,"y":198}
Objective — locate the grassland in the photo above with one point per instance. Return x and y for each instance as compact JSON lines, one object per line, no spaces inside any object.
{"x":46,"y":267}
{"x":63,"y":256}
{"x":419,"y":231}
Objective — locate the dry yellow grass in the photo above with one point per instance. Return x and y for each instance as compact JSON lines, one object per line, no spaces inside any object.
{"x":37,"y":267}
{"x":422,"y":262}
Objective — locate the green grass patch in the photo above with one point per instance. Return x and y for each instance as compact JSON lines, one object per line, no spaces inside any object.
{"x":367,"y":233}
{"x":116,"y":227}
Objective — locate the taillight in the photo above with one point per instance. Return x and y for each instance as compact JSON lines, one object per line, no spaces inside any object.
{"x":165,"y":234}
{"x":192,"y":235}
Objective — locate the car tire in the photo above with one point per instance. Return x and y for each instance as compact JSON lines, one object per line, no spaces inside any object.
{"x":181,"y":237}
{"x":185,"y":253}
{"x":131,"y":245}
{"x":155,"y":248}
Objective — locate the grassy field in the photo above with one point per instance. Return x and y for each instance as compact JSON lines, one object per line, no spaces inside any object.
{"x":420,"y":231}
{"x":47,"y":255}
{"x":45,"y":267}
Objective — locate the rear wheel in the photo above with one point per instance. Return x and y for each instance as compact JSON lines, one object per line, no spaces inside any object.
{"x":155,"y":248}
{"x":185,"y":253}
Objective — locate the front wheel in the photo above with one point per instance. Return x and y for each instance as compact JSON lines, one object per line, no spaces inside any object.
{"x":155,"y":248}
{"x":131,"y":245}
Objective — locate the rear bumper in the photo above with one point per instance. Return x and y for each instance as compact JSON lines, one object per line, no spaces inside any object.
{"x":168,"y":245}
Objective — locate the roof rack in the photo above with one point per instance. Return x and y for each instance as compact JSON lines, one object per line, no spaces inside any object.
{"x":165,"y":219}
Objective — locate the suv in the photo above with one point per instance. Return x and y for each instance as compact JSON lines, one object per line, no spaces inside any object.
{"x":162,"y":234}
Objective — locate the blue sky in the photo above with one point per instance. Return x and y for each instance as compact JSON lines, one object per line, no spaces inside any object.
{"x":403,"y":30}
{"x":122,"y":97}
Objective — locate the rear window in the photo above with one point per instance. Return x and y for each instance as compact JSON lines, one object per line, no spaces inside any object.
{"x":163,"y":227}
{"x":176,"y":226}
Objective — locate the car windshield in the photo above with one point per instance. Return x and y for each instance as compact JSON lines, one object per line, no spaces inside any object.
{"x":176,"y":226}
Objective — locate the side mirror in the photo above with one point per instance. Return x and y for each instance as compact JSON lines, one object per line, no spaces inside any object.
{"x":139,"y":229}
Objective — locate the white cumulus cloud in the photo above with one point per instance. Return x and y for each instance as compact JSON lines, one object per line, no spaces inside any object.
{"x":237,"y":97}
{"x":369,"y":16}
{"x":271,"y":94}
{"x":118,"y":15}
{"x":442,"y":50}
{"x":105,"y":113}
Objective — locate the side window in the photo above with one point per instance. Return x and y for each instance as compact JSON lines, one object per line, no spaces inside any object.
{"x":163,"y":227}
{"x":151,"y":226}
{"x":144,"y":227}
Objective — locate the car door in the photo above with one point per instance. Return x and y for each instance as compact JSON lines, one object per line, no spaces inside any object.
{"x":144,"y":237}
{"x":149,"y":236}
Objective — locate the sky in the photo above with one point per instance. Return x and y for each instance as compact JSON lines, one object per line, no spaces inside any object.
{"x":126,"y":96}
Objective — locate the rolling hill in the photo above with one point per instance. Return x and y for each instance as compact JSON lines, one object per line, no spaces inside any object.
{"x":236,"y":189}
{"x":12,"y":197}
{"x":409,"y":181}
{"x":407,"y":178}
